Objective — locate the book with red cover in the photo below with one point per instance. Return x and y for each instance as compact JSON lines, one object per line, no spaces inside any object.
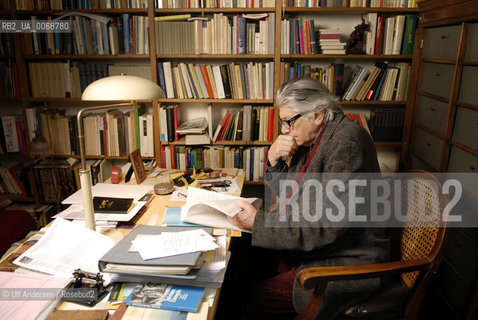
{"x":207,"y":81}
{"x":176,"y":122}
{"x":17,"y":174}
{"x":329,"y":36}
{"x":271,"y":125}
{"x":379,"y":37}
{"x":225,"y":123}
{"x":307,"y":33}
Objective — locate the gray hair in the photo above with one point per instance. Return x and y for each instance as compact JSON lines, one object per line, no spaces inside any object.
{"x":308,"y":97}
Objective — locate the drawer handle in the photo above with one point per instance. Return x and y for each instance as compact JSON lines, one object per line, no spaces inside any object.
{"x":472,"y":167}
{"x":433,"y":109}
{"x":443,"y":36}
{"x":429,"y":144}
{"x":438,"y":74}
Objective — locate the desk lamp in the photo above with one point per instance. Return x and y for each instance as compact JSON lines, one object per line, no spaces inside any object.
{"x":109,"y":89}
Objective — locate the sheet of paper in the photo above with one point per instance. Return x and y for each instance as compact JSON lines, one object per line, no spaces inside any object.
{"x":11,"y":284}
{"x":108,"y":189}
{"x":65,"y":247}
{"x":210,"y":208}
{"x":174,"y":243}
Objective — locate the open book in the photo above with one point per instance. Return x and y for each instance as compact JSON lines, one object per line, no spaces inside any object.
{"x":212,"y":208}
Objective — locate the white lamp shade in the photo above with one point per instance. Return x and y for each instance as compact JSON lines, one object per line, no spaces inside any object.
{"x":122,"y":88}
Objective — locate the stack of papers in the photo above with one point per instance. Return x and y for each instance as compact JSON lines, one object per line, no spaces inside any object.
{"x":105,"y":190}
{"x":210,"y":274}
{"x":29,"y":296}
{"x":64,"y":247}
{"x":124,"y":257}
{"x":169,"y":244}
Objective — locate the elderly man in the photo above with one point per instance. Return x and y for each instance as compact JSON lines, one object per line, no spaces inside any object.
{"x":317,"y":139}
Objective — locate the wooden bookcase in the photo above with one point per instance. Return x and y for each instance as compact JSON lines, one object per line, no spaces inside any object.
{"x":23,"y":57}
{"x":444,"y":127}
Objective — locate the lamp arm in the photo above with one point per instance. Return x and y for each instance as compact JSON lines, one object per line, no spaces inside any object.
{"x":84,"y":172}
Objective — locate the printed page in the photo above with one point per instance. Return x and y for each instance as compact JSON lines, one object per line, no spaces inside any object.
{"x":210,"y":208}
{"x":65,"y":247}
{"x":23,"y":308}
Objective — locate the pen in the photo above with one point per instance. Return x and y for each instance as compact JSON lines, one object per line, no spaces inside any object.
{"x":182,"y":195}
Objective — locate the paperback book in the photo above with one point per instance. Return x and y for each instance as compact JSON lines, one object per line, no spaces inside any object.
{"x":167,"y":297}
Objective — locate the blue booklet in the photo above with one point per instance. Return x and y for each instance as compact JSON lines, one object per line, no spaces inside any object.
{"x":167,"y":297}
{"x":172,"y":218}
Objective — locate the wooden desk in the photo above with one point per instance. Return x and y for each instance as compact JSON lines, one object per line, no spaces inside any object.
{"x":154,"y":215}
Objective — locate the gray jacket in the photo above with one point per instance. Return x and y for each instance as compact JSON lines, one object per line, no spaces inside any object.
{"x":345,"y":147}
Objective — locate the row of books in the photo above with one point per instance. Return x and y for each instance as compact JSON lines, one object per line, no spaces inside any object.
{"x":383,"y":82}
{"x":252,"y":159}
{"x":352,"y":3}
{"x":360,"y":119}
{"x":186,"y":4}
{"x":249,"y":123}
{"x":112,"y":133}
{"x":5,"y":5}
{"x":299,"y":36}
{"x":69,"y":79}
{"x":386,"y":125}
{"x":79,"y":4}
{"x":12,"y":136}
{"x":6,"y":44}
{"x":253,"y":80}
{"x":389,"y":34}
{"x":94,"y":34}
{"x":9,"y":84}
{"x":219,"y":34}
{"x":386,"y":35}
{"x":57,"y":178}
{"x":331,"y":76}
{"x":15,"y":179}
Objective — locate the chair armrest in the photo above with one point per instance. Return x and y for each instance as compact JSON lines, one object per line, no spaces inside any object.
{"x":309,"y":277}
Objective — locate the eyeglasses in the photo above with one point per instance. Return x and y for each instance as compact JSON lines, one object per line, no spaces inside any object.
{"x":287,"y":123}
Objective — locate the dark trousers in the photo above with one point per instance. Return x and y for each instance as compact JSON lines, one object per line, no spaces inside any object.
{"x":253,"y":287}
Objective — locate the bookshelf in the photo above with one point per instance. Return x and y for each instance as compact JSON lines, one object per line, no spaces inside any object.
{"x":149,"y":56}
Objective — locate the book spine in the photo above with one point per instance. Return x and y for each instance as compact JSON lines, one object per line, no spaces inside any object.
{"x":409,"y":34}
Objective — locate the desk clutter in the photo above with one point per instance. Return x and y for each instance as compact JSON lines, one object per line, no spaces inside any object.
{"x":171,"y":270}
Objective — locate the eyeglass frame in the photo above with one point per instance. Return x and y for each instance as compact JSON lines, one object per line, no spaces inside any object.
{"x":288,"y":123}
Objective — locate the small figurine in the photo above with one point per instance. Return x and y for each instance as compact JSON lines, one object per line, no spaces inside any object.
{"x":355,"y":43}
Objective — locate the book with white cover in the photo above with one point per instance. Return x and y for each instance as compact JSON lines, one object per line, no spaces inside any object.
{"x":212,"y":208}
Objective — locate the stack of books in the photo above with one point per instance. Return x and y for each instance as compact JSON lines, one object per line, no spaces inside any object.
{"x":195,"y":131}
{"x":329,"y":41}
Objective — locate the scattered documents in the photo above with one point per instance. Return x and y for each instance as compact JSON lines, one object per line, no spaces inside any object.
{"x":25,"y":307}
{"x":103,"y":190}
{"x":169,"y":244}
{"x":65,"y":247}
{"x":107,"y":189}
{"x":124,"y":258}
{"x":212,"y":208}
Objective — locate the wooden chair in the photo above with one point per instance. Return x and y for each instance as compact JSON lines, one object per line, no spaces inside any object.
{"x":419,"y":249}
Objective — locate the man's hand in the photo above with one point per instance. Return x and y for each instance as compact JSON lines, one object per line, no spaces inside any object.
{"x":284,"y":146}
{"x":244,"y":219}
